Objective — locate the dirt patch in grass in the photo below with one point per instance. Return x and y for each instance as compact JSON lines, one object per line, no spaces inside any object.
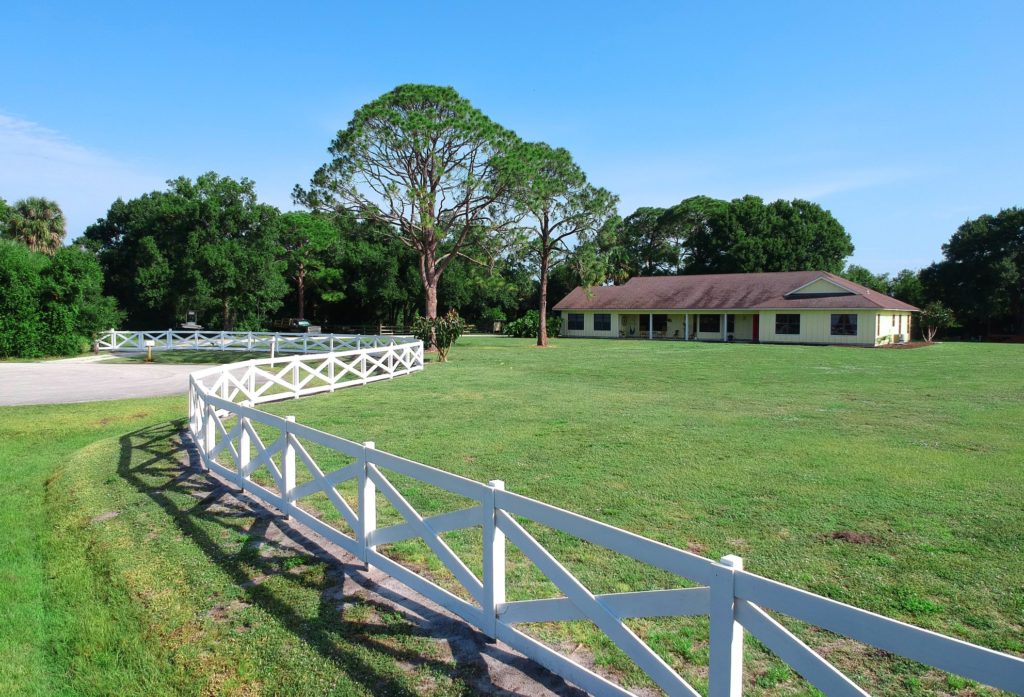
{"x":854,"y":537}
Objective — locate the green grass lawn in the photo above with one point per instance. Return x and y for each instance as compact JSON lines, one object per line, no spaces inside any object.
{"x":889,"y":479}
{"x":781,"y":454}
{"x":118,"y":581}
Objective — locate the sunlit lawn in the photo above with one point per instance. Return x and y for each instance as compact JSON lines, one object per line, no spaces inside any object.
{"x":890,"y":479}
{"x":781,"y":454}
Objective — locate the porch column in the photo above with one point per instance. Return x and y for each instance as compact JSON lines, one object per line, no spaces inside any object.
{"x":686,"y":327}
{"x":725,"y":327}
{"x":650,"y":326}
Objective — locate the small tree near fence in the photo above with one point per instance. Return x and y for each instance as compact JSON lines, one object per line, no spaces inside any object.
{"x":440,"y":332}
{"x":935,"y":316}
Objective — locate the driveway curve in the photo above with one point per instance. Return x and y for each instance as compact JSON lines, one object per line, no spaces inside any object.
{"x":85,"y":380}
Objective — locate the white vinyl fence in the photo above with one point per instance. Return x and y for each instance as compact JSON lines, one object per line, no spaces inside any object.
{"x":171,"y":340}
{"x":736,"y":601}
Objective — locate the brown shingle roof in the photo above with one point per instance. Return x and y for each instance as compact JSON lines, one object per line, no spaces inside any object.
{"x":729,"y":291}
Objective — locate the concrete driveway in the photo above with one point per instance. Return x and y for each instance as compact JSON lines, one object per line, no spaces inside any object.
{"x":88,"y":380}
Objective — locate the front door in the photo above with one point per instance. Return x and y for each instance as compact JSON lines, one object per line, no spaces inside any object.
{"x":757,"y":328}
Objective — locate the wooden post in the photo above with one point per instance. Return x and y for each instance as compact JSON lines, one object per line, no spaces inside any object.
{"x":288,"y":463}
{"x":494,"y":562}
{"x":725,"y":665}
{"x":367,"y":504}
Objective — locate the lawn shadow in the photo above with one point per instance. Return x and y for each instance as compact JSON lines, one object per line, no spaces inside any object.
{"x":159,"y":462}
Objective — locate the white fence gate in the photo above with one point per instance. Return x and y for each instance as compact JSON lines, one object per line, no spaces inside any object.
{"x":735,"y":600}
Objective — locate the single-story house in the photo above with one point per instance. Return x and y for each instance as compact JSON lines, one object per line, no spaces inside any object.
{"x":796,"y":307}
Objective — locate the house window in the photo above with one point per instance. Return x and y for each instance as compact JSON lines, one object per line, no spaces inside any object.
{"x":730,"y":324}
{"x":844,"y":325}
{"x":710,"y":323}
{"x":575,"y":322}
{"x":602,"y":323}
{"x":659,"y":323}
{"x":787,"y":324}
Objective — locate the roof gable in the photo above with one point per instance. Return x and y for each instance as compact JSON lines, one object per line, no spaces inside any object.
{"x":820,"y":286}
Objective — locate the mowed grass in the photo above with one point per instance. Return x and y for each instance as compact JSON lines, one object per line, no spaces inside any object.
{"x":123,"y":575}
{"x":889,"y":479}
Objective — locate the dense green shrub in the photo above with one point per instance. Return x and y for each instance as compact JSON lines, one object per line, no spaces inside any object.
{"x":529,"y":324}
{"x":51,"y":305}
{"x":21,"y":323}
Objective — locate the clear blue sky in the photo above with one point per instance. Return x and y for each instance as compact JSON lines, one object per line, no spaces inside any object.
{"x":903,"y":119}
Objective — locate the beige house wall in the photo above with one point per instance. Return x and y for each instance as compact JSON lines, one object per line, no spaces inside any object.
{"x":873,"y":327}
{"x":588,"y":325}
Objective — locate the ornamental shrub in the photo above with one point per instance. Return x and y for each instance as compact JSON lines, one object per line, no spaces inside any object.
{"x":440,"y":332}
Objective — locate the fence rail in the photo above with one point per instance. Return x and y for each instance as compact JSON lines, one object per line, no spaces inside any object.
{"x":279,"y":342}
{"x":223,"y":422}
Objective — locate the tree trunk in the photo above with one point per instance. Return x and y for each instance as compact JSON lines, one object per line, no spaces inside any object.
{"x":431,"y":305}
{"x":227,"y":316}
{"x":542,"y":328}
{"x":302,"y":290}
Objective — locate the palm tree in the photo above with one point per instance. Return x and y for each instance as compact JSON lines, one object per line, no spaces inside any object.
{"x":37,"y":222}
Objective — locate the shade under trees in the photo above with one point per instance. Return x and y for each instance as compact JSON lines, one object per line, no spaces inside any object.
{"x":419,"y":160}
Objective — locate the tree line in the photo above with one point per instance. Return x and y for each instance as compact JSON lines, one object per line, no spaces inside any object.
{"x":427,"y":205}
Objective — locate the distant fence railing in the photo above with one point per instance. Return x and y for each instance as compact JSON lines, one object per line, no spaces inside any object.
{"x":226,"y":429}
{"x":280,"y":342}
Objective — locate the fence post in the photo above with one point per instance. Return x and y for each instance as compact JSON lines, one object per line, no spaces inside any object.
{"x":330,"y":368}
{"x":243,"y":452}
{"x":494,"y":562}
{"x":170,"y":339}
{"x":288,"y":462}
{"x":725,"y":665}
{"x":367,"y":504}
{"x":295,"y":376}
{"x":209,"y":433}
{"x":305,"y":343}
{"x":249,"y":344}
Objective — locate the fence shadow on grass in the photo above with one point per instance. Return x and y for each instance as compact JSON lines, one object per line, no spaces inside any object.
{"x":203,"y":508}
